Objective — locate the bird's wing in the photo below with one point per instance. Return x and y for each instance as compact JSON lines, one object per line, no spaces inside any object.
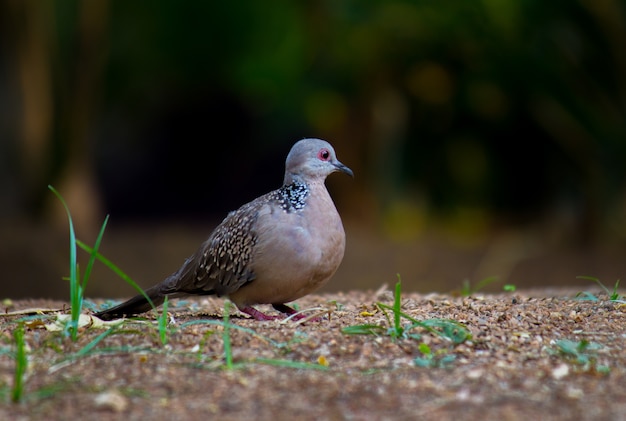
{"x":222,"y":264}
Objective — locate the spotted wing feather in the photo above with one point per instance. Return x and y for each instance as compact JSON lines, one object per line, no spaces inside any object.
{"x":222,"y":265}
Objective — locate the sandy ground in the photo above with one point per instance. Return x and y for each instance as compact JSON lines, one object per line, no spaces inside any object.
{"x":514,"y":367}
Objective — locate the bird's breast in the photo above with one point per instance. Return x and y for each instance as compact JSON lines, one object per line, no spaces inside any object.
{"x":296,"y":252}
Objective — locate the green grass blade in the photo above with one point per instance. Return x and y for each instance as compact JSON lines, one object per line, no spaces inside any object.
{"x":163,"y":322}
{"x":397,"y":308}
{"x":485,"y":282}
{"x":92,"y":255}
{"x":75,"y":292}
{"x":290,"y":364}
{"x":21,"y":364}
{"x":597,"y":281}
{"x":91,"y":345}
{"x":228,"y":354}
{"x":603,"y":287}
{"x":366,"y":329}
{"x":615,"y":295}
{"x":467,"y":289}
{"x":588,"y":278}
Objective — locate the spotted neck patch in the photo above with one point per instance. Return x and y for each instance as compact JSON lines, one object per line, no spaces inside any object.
{"x":292,"y":197}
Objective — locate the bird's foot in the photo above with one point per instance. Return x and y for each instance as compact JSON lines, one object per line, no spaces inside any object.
{"x":257,"y":315}
{"x":260,"y":316}
{"x":294,"y":314}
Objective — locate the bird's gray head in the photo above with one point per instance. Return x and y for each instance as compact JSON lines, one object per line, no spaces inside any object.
{"x":312,"y":159}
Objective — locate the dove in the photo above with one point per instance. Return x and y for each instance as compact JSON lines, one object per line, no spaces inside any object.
{"x":273,"y":250}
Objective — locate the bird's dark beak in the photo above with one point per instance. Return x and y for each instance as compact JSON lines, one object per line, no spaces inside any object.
{"x":342,"y":168}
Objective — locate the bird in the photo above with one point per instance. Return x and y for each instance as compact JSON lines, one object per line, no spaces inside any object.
{"x":277,"y":248}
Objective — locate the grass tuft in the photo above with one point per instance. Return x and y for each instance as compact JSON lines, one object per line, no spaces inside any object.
{"x":449,"y":329}
{"x":614,"y":295}
{"x":582,"y":353}
{"x":77,"y":287}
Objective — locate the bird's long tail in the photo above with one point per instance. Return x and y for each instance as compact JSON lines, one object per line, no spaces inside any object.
{"x":136,"y":305}
{"x":173,"y":286}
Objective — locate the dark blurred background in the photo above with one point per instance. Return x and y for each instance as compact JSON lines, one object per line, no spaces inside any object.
{"x":488,"y":138}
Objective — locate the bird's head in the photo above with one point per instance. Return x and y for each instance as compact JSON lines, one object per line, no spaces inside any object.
{"x":311,"y":159}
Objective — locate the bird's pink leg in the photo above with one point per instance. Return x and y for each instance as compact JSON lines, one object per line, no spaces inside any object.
{"x":257,"y":315}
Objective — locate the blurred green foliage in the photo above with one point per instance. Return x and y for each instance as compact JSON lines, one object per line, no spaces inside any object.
{"x":460,"y":107}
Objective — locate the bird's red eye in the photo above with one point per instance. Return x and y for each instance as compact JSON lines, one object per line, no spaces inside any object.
{"x":324,"y":154}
